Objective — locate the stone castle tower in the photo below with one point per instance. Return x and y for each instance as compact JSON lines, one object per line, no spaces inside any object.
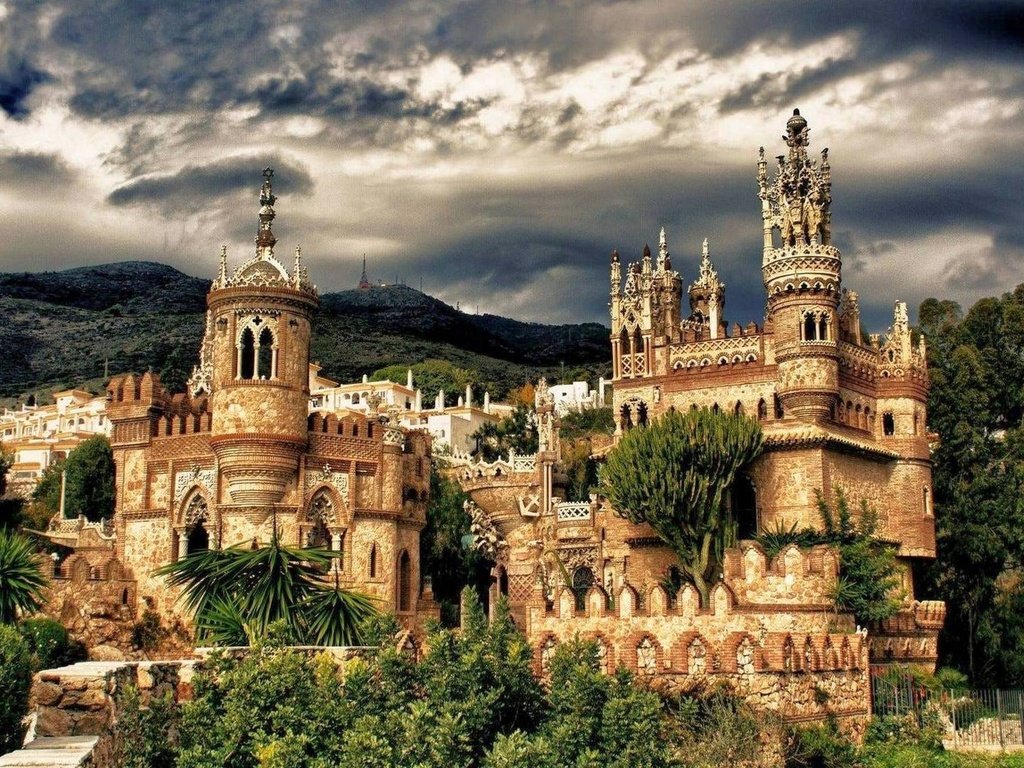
{"x":838,"y":410}
{"x":259,"y":357}
{"x":240,"y":456}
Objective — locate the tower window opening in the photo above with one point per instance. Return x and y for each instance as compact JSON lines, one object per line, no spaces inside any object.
{"x":823,"y":329}
{"x":373,"y":562}
{"x":642,"y":414}
{"x":779,"y":412}
{"x":265,"y":357}
{"x":404,"y":582}
{"x":762,"y":410}
{"x":809,"y":328}
{"x":888,"y":424}
{"x":247,"y":355}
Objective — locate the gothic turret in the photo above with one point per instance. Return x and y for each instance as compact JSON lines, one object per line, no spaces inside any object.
{"x":802,"y":274}
{"x":257,"y":353}
{"x":707,"y":296}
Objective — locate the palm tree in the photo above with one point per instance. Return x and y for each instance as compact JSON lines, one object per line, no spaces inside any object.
{"x":237,"y":593}
{"x":21,"y":577}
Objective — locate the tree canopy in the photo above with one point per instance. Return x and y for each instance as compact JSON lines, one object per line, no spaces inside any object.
{"x":976,"y":403}
{"x":673,"y":475}
{"x":431,"y":376}
{"x":89,"y":487}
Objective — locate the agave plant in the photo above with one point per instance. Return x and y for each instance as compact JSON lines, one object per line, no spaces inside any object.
{"x":21,"y":577}
{"x":237,"y":593}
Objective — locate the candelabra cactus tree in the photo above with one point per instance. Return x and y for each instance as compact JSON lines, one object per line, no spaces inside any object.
{"x":674,"y":475}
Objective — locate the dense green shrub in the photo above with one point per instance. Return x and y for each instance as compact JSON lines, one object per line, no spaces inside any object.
{"x":821,"y":746}
{"x":148,"y":735}
{"x":50,"y":644}
{"x":15,"y":680}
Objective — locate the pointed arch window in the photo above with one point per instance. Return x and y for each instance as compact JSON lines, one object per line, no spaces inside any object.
{"x":372,"y":565}
{"x":267,"y":356}
{"x":247,"y":355}
{"x":809,"y":327}
{"x":404,"y":582}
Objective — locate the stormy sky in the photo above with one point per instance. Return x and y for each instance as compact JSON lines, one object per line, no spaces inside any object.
{"x":499,"y":151}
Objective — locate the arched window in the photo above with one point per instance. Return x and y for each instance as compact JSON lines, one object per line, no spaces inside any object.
{"x":404,"y":582}
{"x":582,"y":581}
{"x":247,"y":355}
{"x":888,"y":424}
{"x":762,"y":410}
{"x":823,"y":328}
{"x":198,"y":538}
{"x":321,"y":511}
{"x":738,"y":408}
{"x":355,"y":398}
{"x":626,"y":418}
{"x":744,"y":507}
{"x":779,"y":413}
{"x":265,"y":363}
{"x":642,"y":414}
{"x":809,"y":327}
{"x":372,"y":567}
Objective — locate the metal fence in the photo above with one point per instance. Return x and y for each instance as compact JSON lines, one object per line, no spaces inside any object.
{"x":986,"y":717}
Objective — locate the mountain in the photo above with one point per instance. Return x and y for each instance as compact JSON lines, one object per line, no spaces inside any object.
{"x":63,"y":329}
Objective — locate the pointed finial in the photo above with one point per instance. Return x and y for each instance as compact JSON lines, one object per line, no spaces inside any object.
{"x":704,"y":250}
{"x":647,"y":251}
{"x":265,"y":240}
{"x":223,"y":274}
{"x":615,"y":256}
{"x":297,"y":272}
{"x":661,"y":239}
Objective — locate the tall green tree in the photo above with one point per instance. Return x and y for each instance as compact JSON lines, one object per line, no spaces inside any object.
{"x":89,"y":484}
{"x":975,"y":405}
{"x":674,"y":474}
{"x":516,"y":432}
{"x":445,"y":553}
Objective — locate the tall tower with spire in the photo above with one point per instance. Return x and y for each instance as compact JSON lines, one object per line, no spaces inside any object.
{"x":260,"y":319}
{"x":802,"y":273}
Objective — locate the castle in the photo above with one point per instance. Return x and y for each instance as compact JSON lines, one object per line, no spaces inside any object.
{"x":837,"y":410}
{"x":239,"y":453}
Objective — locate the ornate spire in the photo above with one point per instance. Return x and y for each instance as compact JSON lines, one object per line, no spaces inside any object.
{"x":708,"y":277}
{"x":297,"y":273}
{"x":265,"y":240}
{"x":616,"y":274}
{"x":646,"y":261}
{"x":798,"y":200}
{"x":222,"y":277}
{"x":663,"y":257}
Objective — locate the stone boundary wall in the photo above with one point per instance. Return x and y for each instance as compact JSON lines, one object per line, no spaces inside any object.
{"x":76,"y":709}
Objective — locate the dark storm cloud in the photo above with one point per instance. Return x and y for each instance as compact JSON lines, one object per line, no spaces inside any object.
{"x":16,"y":84}
{"x":194,"y":188}
{"x":34,"y":169}
{"x":184,"y":84}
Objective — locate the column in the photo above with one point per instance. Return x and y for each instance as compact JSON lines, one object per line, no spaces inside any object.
{"x":182,"y":544}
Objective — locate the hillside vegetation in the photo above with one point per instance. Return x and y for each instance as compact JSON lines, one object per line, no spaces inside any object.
{"x":61,"y":329}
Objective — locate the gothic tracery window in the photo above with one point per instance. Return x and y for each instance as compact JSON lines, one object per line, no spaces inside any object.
{"x":319,"y":514}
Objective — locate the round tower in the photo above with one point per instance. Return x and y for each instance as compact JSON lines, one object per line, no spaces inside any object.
{"x":802,"y":275}
{"x":260,"y":320}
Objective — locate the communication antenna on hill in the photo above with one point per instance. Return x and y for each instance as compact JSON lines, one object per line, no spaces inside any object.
{"x":364,"y":283}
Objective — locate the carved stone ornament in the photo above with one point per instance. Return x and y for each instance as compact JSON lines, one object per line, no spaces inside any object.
{"x":194,"y":476}
{"x":327,"y":474}
{"x":486,"y":538}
